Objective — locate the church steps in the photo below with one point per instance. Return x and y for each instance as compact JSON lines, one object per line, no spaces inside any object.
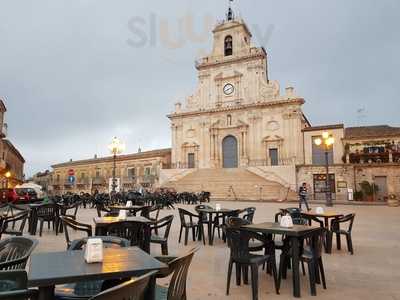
{"x":229,"y":184}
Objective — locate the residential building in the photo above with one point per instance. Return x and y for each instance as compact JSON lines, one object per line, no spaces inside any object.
{"x":11,"y":160}
{"x":132,"y":171}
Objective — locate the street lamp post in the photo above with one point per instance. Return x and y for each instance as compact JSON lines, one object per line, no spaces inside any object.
{"x":116,"y":147}
{"x":7,"y":175}
{"x":327,"y":141}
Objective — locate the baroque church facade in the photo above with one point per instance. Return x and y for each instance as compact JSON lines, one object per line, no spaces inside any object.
{"x":237,"y":116}
{"x":239,"y":136}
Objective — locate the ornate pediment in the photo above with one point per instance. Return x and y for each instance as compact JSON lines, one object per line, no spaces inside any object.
{"x":190,"y":145}
{"x":272,"y":138}
{"x":227,"y":75}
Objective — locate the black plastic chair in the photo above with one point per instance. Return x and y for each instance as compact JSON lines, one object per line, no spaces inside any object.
{"x":238,"y":241}
{"x":145,"y":211}
{"x":68,"y":210}
{"x":219,"y":223}
{"x":48,"y":213}
{"x":108,"y":242}
{"x":248,"y":214}
{"x":138,"y":233}
{"x":296,"y":215}
{"x":179,"y":268}
{"x":162,"y":240}
{"x":203,"y":217}
{"x":68,"y":222}
{"x":155,"y":208}
{"x":133,"y":289}
{"x":100,"y":208}
{"x":14,"y":286}
{"x":13,"y":209}
{"x":64,"y":210}
{"x":335,"y":228}
{"x":312,"y":255}
{"x":15,"y":251}
{"x":187,"y":222}
{"x":254,"y":244}
{"x":19,"y":217}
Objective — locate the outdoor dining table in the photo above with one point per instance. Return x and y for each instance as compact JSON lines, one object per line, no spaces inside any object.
{"x":46,"y":270}
{"x":295,"y":235}
{"x":326,"y":216}
{"x":210,"y":212}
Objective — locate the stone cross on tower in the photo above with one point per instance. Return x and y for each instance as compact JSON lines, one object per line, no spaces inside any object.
{"x":230,"y":15}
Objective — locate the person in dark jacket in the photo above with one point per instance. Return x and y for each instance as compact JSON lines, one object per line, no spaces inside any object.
{"x":303,"y":196}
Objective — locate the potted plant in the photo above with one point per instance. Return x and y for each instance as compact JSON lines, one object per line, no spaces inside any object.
{"x":369,"y":190}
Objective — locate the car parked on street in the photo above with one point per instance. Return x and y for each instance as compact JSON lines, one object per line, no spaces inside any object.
{"x":8,"y":195}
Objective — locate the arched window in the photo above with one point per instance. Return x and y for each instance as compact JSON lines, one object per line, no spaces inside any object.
{"x":228,"y":46}
{"x":229,"y":120}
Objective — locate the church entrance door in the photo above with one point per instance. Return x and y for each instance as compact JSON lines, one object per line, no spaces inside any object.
{"x":230,"y":152}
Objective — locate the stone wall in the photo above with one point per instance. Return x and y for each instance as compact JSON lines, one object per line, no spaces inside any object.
{"x":351,"y":176}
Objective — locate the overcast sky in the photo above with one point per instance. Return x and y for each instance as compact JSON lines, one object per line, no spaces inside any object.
{"x":76,"y":73}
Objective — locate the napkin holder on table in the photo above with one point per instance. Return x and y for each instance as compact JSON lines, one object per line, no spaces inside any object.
{"x":286,"y":221}
{"x":94,"y":251}
{"x":128,"y":203}
{"x":122,"y":214}
{"x":319,"y":210}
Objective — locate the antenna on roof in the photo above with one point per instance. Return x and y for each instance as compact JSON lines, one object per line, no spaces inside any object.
{"x":360,"y":115}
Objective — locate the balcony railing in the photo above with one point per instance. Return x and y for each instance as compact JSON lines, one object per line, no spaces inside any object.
{"x":264,"y":163}
{"x":369,"y":158}
{"x":83,"y":181}
{"x":129,"y":180}
{"x":180,"y":165}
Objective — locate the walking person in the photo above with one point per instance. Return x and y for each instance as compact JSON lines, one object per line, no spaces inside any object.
{"x":303,"y":196}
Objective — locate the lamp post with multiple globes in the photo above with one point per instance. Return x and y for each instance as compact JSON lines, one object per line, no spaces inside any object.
{"x":116,"y":147}
{"x":327,"y":141}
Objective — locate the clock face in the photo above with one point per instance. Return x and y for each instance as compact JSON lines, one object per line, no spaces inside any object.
{"x":229,"y":89}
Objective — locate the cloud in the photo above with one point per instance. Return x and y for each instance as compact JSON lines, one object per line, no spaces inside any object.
{"x":72,"y":81}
